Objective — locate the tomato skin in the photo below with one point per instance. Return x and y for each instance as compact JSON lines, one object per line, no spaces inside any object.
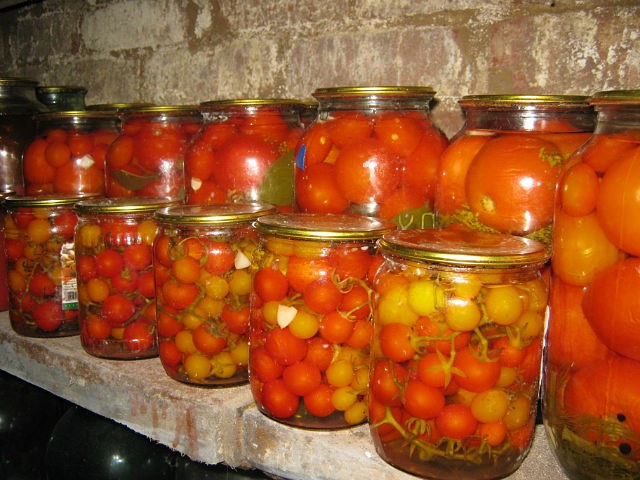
{"x":285,"y":347}
{"x":270,"y":284}
{"x":476,"y":375}
{"x":243,"y":162}
{"x":422,"y":401}
{"x":511,"y":182}
{"x":278,"y":400}
{"x":317,"y":190}
{"x":456,"y":421}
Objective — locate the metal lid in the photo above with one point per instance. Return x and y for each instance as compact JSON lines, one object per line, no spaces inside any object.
{"x":17,"y":82}
{"x":615,"y":97}
{"x":45,"y":200}
{"x":118,"y":107}
{"x":75,"y":115}
{"x":122,"y":205}
{"x":57,"y":89}
{"x":316,"y":226}
{"x":510,"y":100}
{"x":225,"y":213}
{"x":163,"y":111}
{"x":464,"y":247}
{"x":251,"y":102}
{"x":375,"y":91}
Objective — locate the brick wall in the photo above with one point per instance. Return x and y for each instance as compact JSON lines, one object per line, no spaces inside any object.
{"x":188,"y":51}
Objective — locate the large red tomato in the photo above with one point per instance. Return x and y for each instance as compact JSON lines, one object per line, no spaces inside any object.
{"x":243,"y":162}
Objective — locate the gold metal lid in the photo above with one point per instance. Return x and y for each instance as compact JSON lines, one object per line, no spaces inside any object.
{"x":118,"y":107}
{"x":251,"y":102}
{"x":45,"y":200}
{"x":163,"y":111}
{"x":17,"y":81}
{"x":615,"y":97}
{"x":226,"y":213}
{"x":374,"y":91}
{"x":48,"y":89}
{"x":75,"y":115}
{"x":122,"y":205}
{"x":316,"y":226}
{"x":510,"y":100}
{"x":464,"y":247}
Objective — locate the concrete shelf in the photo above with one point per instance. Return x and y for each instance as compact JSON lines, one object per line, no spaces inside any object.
{"x":209,"y":425}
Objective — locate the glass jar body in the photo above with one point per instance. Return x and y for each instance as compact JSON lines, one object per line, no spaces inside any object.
{"x":203,"y":273}
{"x":244,"y":153}
{"x":455,"y":366}
{"x":372,"y":151}
{"x":41,"y":266}
{"x":500,"y":171}
{"x":116,"y":284}
{"x":62,"y":98}
{"x":311,"y":322}
{"x":18,"y":106}
{"x":67,"y":156}
{"x":592,"y":350}
{"x":147,"y":157}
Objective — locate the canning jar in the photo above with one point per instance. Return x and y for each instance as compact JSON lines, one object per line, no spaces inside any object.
{"x":203,"y":276}
{"x":147,"y":158}
{"x":458,"y":326}
{"x":62,"y":98}
{"x":373,"y":151}
{"x":500,"y":171}
{"x":18,"y":106}
{"x":4,"y":286}
{"x":67,"y":155}
{"x":310,"y":317}
{"x":591,"y":392}
{"x":116,"y":285}
{"x":244,"y":152}
{"x":41,"y":265}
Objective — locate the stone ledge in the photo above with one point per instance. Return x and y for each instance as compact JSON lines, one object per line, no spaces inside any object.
{"x":208,"y":425}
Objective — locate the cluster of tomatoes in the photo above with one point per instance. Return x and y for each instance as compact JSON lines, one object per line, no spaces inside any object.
{"x":383,"y":163}
{"x":67,"y":161}
{"x":116,"y":286}
{"x":203,"y":287}
{"x":39,"y":252}
{"x":147,"y":158}
{"x":311,"y":331}
{"x":455,"y":368}
{"x":504,"y":181}
{"x":235,"y":158}
{"x":594,"y":330}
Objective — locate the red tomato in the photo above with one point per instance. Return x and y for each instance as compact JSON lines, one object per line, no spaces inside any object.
{"x":367,"y":172}
{"x":220,"y":258}
{"x":278,"y":400}
{"x":65,"y":224}
{"x":611,"y":304}
{"x":511,"y":183}
{"x":302,"y":377}
{"x":317,"y":144}
{"x":206,"y":342}
{"x":316,"y":190}
{"x":456,"y":421}
{"x":138,"y":336}
{"x":396,"y":342}
{"x":618,"y":202}
{"x":109,"y":263}
{"x":137,"y":256}
{"x":243,"y":162}
{"x":385,"y":380}
{"x":169,"y":354}
{"x":179,"y":295}
{"x":322,"y":295}
{"x":302,"y":271}
{"x":475,"y":374}
{"x":422,"y":401}
{"x":285,"y":347}
{"x":350,"y":261}
{"x":399,"y":134}
{"x":263,"y":366}
{"x":41,"y":284}
{"x":349,"y":127}
{"x":236,"y":320}
{"x":319,"y":352}
{"x":167,"y":325}
{"x":118,"y":309}
{"x":335,"y":327}
{"x":86,"y":267}
{"x":270,"y":284}
{"x":48,"y":315}
{"x":355,"y":303}
{"x":318,"y":402}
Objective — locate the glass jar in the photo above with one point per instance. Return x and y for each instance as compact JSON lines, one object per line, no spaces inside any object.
{"x":41,"y":265}
{"x":244,"y":152}
{"x":18,"y":105}
{"x":4,"y":286}
{"x":373,"y":151}
{"x":147,"y":158}
{"x":458,"y":326}
{"x":116,"y":285}
{"x":67,"y":156}
{"x":310,"y":317}
{"x":62,"y":98}
{"x":591,"y":392}
{"x":202,"y":264}
{"x":500,"y":171}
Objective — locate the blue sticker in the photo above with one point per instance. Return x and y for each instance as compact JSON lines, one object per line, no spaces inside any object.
{"x":300,"y":157}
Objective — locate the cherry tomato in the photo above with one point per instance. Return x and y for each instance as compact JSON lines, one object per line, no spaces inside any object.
{"x":278,"y":400}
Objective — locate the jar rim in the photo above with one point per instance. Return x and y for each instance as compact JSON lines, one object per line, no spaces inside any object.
{"x":374,"y":91}
{"x":251,"y":102}
{"x":184,"y":110}
{"x":615,"y":97}
{"x":98,"y":205}
{"x":75,"y":114}
{"x":464,"y":247}
{"x":45,"y":200}
{"x":17,"y":81}
{"x":516,"y":100}
{"x":61,"y":89}
{"x":225,"y":213}
{"x":320,"y":226}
